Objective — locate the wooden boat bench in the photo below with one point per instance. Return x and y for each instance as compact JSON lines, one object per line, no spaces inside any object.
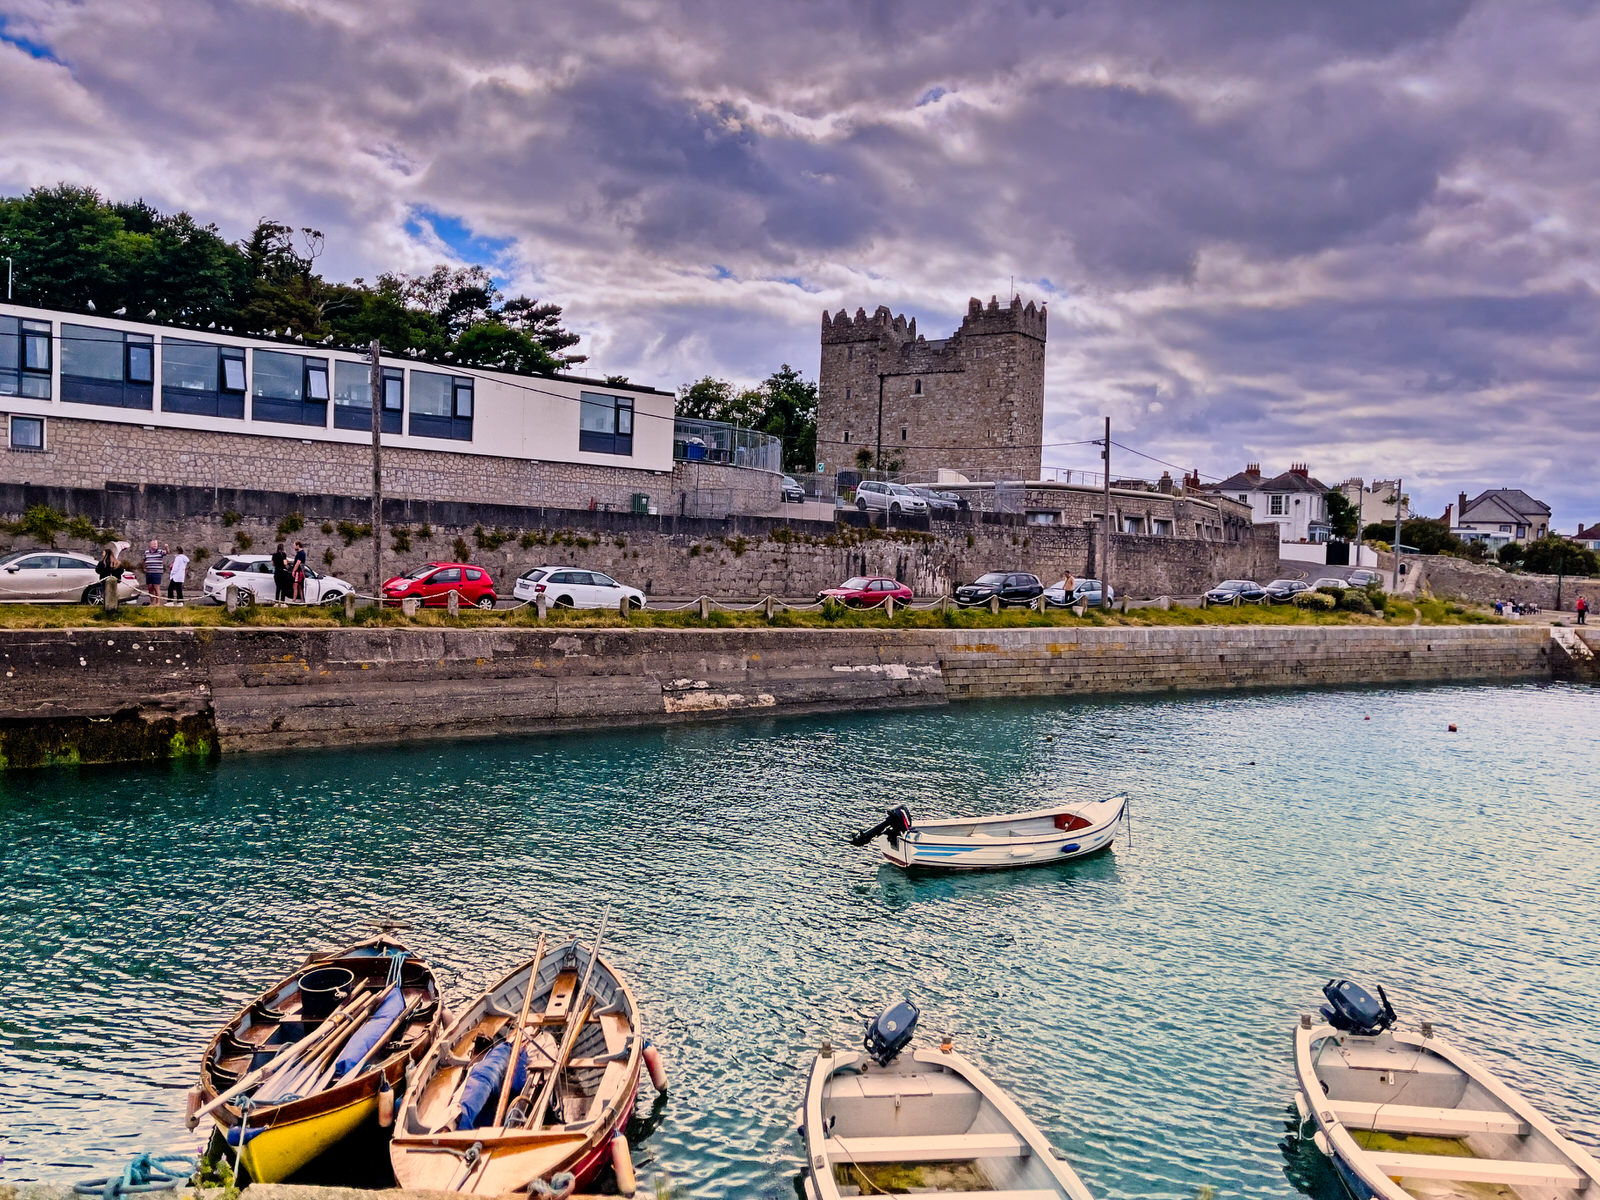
{"x":1360,"y":1057}
{"x":949,"y":1148}
{"x":1439,"y":1122}
{"x":1477,"y":1170}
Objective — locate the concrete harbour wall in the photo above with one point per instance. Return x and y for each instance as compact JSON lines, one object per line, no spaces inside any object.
{"x":129,"y":695}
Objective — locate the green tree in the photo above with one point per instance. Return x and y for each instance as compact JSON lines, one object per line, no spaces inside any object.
{"x":490,"y":344}
{"x":1341,"y":516}
{"x":1552,"y":554}
{"x":541,"y":321}
{"x":69,"y":248}
{"x":791,"y":414}
{"x":1428,"y":534}
{"x":1510,"y":554}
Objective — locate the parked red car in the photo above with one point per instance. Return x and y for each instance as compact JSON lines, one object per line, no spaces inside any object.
{"x":865,"y":591}
{"x":432,"y":583}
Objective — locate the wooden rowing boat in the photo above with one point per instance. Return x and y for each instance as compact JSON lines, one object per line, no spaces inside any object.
{"x":565,"y":1028}
{"x":307,"y":1062}
{"x":1406,"y":1115}
{"x":1025,"y":839}
{"x":926,"y":1121}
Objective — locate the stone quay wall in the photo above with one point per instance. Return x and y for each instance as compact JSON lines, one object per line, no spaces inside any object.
{"x":666,"y":554}
{"x":91,"y":454}
{"x":110,"y":694}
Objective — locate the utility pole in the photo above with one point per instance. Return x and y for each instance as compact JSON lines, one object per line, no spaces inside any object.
{"x":879,"y":463}
{"x":1105,"y":544}
{"x":375,"y":386}
{"x":1361,"y":507}
{"x":1399,"y":513}
{"x":1561,"y":559}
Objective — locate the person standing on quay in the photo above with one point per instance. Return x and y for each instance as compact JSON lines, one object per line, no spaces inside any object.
{"x":280,"y":574}
{"x":1583,"y":610}
{"x":298,"y":571}
{"x":178,"y":575}
{"x":155,"y":562}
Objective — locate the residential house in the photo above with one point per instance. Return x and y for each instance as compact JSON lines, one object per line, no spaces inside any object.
{"x":1499,"y":516}
{"x":1378,"y":502}
{"x":1295,"y":501}
{"x":1588,"y":537}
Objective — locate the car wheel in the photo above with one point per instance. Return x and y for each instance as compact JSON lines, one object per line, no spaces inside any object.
{"x":564,"y":602}
{"x":894,"y":509}
{"x":635,"y":603}
{"x":486,"y":600}
{"x":333,"y":598}
{"x":95,"y":593}
{"x":861,"y":504}
{"x":246,"y":598}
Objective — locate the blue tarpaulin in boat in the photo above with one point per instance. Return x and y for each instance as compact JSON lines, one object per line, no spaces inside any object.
{"x":482,"y":1089}
{"x":365,"y":1038}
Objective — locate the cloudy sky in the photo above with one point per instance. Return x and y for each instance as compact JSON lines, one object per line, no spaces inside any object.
{"x":1361,"y":233}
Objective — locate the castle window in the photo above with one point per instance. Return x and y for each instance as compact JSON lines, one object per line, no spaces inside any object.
{"x":916,"y":388}
{"x":902,"y":433}
{"x":849,"y":355}
{"x":847,"y":436}
{"x":847,"y":396}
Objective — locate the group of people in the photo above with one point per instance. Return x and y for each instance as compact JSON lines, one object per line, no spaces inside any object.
{"x":1517,"y":608}
{"x":288,"y":574}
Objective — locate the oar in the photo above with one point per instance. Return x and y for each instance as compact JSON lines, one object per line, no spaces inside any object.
{"x":570,"y":1037}
{"x":331,"y":1062}
{"x":287,"y":1083}
{"x":522,"y":1029}
{"x":286,"y":1057}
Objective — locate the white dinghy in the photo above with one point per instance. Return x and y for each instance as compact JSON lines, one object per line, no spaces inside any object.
{"x":929,"y":1123}
{"x":1405,"y":1116}
{"x":987,"y":843}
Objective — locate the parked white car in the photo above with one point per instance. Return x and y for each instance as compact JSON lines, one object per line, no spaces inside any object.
{"x":252,"y":574}
{"x":569,"y":587}
{"x":57,"y":577}
{"x":888,"y":497}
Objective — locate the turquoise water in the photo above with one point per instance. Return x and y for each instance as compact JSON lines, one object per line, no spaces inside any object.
{"x":1139,"y":1005}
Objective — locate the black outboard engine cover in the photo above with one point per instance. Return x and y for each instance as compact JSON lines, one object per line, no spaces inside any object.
{"x":1353,"y":1009}
{"x":895,"y":825}
{"x":891,"y":1032}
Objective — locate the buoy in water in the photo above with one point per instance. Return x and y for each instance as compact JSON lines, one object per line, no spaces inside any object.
{"x":1452,"y":728}
{"x":1366,"y":718}
{"x":652,"y":1062}
{"x":622,"y":1164}
{"x":385,"y":1104}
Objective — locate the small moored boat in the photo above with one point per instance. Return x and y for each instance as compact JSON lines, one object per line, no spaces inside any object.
{"x":928,"y":1122}
{"x":529,"y":1085}
{"x":1407,"y":1116}
{"x":987,"y":843}
{"x":316,"y":1056}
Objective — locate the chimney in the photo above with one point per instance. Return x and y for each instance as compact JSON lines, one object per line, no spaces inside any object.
{"x":1461,"y":508}
{"x":1165,"y":485}
{"x":1447,"y":524}
{"x":1300,"y":469}
{"x":1253,"y":469}
{"x":1191,"y":481}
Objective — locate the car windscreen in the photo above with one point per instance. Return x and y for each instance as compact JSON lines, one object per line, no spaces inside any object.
{"x":1232,"y":583}
{"x":855,"y":584}
{"x":1282,"y":583}
{"x":992,"y":579}
{"x":535,"y":575}
{"x":419,"y":572}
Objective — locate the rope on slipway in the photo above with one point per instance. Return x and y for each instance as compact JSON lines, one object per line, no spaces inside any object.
{"x":144,"y":1173}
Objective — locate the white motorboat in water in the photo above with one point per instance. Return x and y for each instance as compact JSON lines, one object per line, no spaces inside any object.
{"x":927,"y":1122}
{"x":987,"y":843}
{"x":1406,"y":1116}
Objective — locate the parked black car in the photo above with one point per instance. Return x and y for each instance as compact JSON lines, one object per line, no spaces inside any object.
{"x":1013,"y":587}
{"x":793,"y":493}
{"x":942,"y":503}
{"x":1283,"y":590}
{"x":1229,"y":590}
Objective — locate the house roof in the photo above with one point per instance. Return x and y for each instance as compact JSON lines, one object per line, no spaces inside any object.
{"x":1253,"y":481}
{"x":1587,"y":534}
{"x":1513,"y":500}
{"x":1245,"y":480}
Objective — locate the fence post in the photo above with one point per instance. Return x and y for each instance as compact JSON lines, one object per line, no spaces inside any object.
{"x":349,"y":606}
{"x":622,"y":608}
{"x":994,"y":606}
{"x":770,"y":605}
{"x":888,"y":607}
{"x":230,"y":597}
{"x":410,"y":605}
{"x":108,"y":595}
{"x":705,"y":608}
{"x":541,"y":607}
{"x":452,"y":603}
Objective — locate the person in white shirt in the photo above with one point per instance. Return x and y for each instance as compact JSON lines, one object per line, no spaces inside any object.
{"x":179,"y":573}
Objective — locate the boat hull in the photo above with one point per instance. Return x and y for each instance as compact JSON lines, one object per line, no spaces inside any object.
{"x":284,"y":1149}
{"x":993,"y":846}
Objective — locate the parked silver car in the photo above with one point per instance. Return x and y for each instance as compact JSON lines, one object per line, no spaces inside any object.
{"x":57,"y":577}
{"x":875,"y":494}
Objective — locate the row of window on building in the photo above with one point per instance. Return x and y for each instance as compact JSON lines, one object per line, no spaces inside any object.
{"x":114,"y":369}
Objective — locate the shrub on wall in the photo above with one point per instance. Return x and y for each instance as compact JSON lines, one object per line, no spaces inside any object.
{"x":242,"y":542}
{"x":352,"y":532}
{"x":1356,"y":602}
{"x":1318,"y":601}
{"x":463,"y":552}
{"x":292,"y":523}
{"x":230,"y":519}
{"x":402,"y":539}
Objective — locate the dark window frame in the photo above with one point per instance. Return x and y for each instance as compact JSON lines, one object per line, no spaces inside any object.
{"x":457,"y":426}
{"x":11,"y":433}
{"x":126,"y":392}
{"x":29,"y":377}
{"x":617,"y":440}
{"x":354,"y":416}
{"x":219,"y":400}
{"x":284,"y":410}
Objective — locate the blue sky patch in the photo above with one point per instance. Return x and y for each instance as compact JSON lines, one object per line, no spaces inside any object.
{"x":462,"y":242}
{"x":27,"y":45}
{"x":931,"y":96}
{"x":720,"y":271}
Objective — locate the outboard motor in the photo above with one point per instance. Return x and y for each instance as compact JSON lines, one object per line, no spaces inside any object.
{"x":891,"y":1032}
{"x":896,"y":825}
{"x":1352,"y":1009}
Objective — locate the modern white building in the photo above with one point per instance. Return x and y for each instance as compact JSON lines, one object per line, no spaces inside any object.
{"x":86,"y":398}
{"x":1294,"y":501}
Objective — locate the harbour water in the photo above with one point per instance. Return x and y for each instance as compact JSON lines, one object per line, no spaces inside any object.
{"x":1138,"y":1004}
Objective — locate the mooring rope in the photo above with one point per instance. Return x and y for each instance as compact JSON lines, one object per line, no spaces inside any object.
{"x":144,"y":1173}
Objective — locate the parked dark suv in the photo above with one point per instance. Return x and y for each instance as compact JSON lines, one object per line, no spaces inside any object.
{"x":1013,"y":587}
{"x":1231,"y":590}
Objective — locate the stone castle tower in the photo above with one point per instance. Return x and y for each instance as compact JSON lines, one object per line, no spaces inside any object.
{"x":972,"y":402}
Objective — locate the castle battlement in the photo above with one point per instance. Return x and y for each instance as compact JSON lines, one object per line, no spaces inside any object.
{"x":1028,"y":319}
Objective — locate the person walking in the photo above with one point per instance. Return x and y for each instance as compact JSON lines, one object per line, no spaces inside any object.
{"x":1583,"y":610}
{"x":298,"y":571}
{"x":281,"y":579}
{"x":178,"y":575}
{"x":155,"y":563}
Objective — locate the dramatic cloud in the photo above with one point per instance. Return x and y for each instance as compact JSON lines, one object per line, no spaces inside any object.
{"x":1361,"y":234}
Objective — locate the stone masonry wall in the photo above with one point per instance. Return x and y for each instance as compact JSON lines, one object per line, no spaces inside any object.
{"x":665,"y":555}
{"x":1476,"y":583}
{"x":68,"y":695}
{"x":82,"y":453}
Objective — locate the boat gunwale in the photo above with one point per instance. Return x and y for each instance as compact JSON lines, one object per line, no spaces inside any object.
{"x":918,"y":826}
{"x":1357,"y":1157}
